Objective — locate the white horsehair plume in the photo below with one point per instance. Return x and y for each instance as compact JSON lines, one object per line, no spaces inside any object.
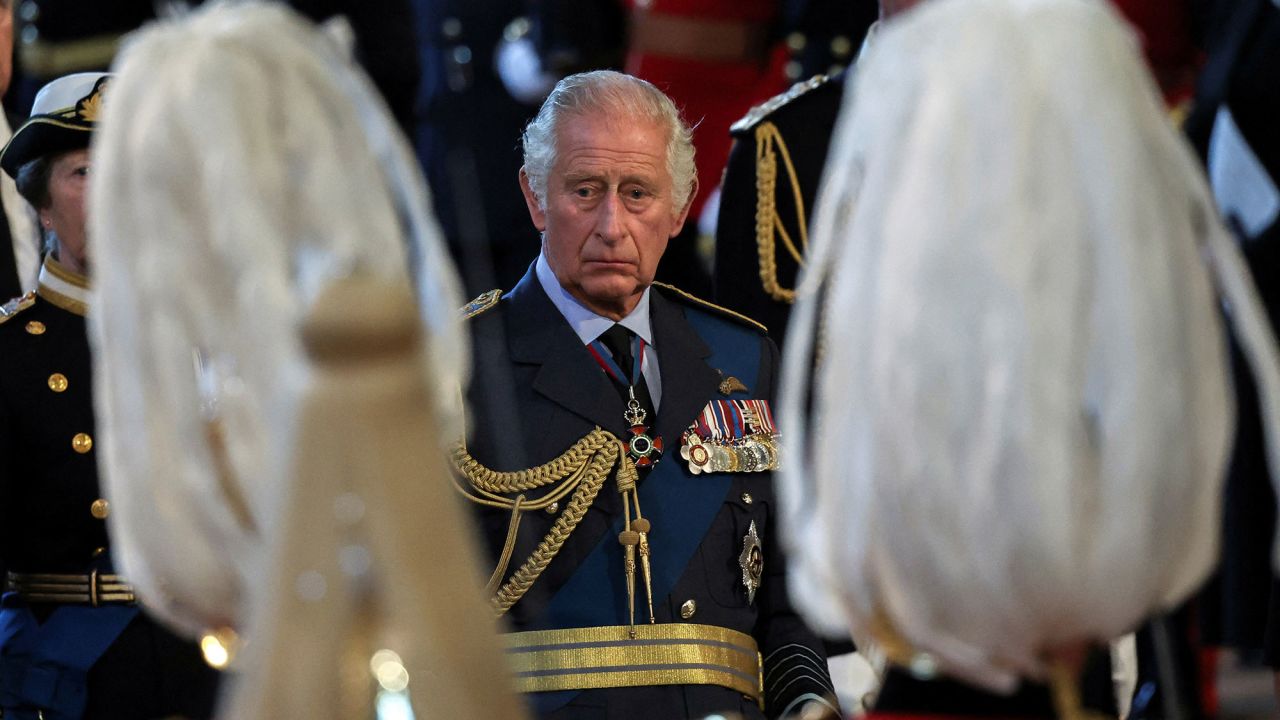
{"x":1021,"y":409}
{"x":242,"y":163}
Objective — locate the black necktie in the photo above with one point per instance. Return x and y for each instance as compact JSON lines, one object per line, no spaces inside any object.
{"x":618,"y":340}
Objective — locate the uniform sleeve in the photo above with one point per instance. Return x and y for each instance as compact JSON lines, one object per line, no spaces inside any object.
{"x":795,"y":664}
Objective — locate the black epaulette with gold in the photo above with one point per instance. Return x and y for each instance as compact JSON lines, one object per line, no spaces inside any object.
{"x":759,"y":112}
{"x":483,"y":303}
{"x":16,"y":305}
{"x":715,"y":309}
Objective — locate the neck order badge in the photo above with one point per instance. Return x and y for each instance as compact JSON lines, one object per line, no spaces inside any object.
{"x":643,"y":449}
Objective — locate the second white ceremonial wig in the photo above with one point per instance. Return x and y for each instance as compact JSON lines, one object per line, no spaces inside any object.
{"x":1021,"y":408}
{"x":243,"y":162}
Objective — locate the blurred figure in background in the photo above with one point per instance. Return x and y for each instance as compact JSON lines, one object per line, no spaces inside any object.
{"x":20,"y":250}
{"x":1234,"y":128}
{"x":1012,"y":443}
{"x":467,"y":131}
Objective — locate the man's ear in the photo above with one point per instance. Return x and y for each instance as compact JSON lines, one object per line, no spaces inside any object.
{"x":536,"y":213}
{"x":684,"y":212}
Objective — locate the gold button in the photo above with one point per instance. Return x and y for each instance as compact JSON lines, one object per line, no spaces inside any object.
{"x":688,"y":609}
{"x":57,"y":382}
{"x":796,"y":42}
{"x":746,"y":498}
{"x":100,"y":509}
{"x":35,"y":327}
{"x":792,"y":70}
{"x":553,"y":508}
{"x":98,"y":552}
{"x":82,"y":443}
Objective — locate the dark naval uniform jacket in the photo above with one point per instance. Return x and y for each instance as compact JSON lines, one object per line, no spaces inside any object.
{"x":53,"y":522}
{"x":767,"y":199}
{"x":535,"y":392}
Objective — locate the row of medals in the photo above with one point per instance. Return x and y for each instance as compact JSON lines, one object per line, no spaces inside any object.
{"x":752,"y":453}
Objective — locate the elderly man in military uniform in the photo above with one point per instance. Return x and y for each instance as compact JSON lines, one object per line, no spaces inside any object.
{"x":72,"y":641}
{"x":622,"y":442}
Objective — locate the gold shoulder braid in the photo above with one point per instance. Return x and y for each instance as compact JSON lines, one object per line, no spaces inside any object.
{"x":708,"y":305}
{"x":483,"y":303}
{"x":16,"y":305}
{"x":767,"y":222}
{"x":581,"y":470}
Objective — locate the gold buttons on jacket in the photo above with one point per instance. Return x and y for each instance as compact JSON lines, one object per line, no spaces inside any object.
{"x":100,"y":509}
{"x":746,"y":498}
{"x":35,"y":327}
{"x":57,"y":382}
{"x":688,"y":609}
{"x":82,"y":443}
{"x":553,"y":508}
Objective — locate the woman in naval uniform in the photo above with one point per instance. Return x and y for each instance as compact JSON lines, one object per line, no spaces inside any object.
{"x":73,"y":642}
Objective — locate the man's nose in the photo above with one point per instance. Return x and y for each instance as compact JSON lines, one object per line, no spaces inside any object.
{"x":609,"y":225}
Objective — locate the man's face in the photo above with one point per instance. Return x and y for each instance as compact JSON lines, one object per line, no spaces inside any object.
{"x":609,"y":210}
{"x":68,"y":180}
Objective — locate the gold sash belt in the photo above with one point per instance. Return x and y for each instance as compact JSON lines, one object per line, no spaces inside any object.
{"x":607,"y":657}
{"x":92,"y":588}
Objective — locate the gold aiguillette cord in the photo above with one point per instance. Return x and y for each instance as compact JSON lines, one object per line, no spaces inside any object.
{"x":635,"y":534}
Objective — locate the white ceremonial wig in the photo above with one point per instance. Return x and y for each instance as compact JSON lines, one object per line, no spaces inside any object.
{"x":243,"y":162}
{"x":1021,"y":409}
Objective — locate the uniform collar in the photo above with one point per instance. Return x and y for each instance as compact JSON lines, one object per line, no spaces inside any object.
{"x":65,"y":288}
{"x":585,"y":323}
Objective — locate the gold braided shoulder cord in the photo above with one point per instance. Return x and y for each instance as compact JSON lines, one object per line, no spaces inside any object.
{"x":767,"y":222}
{"x":582,"y":470}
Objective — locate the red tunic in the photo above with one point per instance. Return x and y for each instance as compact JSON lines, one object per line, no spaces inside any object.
{"x":689,"y":51}
{"x":1164,"y":27}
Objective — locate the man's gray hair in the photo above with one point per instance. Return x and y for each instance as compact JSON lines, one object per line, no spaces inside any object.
{"x":606,"y":91}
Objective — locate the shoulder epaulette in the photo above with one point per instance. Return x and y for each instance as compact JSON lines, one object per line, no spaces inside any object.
{"x":701,"y":304}
{"x":483,"y":303}
{"x":759,"y":112}
{"x":16,"y":305}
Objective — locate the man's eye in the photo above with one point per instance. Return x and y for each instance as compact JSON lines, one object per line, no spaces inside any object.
{"x":82,"y":171}
{"x":583,"y":192}
{"x":637,"y":194}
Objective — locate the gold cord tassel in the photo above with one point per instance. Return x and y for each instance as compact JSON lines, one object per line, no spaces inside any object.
{"x":508,"y":546}
{"x":629,"y":538}
{"x":636,"y":532}
{"x":642,"y":529}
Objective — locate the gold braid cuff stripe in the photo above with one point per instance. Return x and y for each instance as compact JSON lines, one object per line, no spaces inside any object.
{"x":92,"y":588}
{"x":607,"y":657}
{"x":767,"y":222}
{"x":582,"y":470}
